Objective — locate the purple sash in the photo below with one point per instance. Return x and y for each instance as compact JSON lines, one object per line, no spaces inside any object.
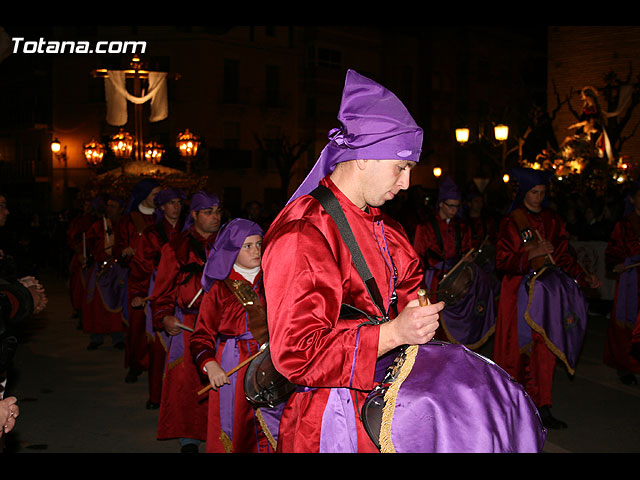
{"x":627,"y":296}
{"x":338,"y":432}
{"x":471,"y":320}
{"x":448,"y":399}
{"x":554,"y":307}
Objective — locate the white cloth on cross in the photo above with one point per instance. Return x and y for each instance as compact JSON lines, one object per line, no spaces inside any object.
{"x":117,"y":96}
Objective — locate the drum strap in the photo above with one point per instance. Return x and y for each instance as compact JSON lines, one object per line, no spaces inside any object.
{"x":257,"y":317}
{"x":438,"y":234}
{"x":522,"y":223}
{"x":331,"y":205}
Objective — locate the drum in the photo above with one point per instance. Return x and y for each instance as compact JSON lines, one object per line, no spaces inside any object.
{"x":456,"y":284}
{"x":264,"y":386}
{"x":443,"y":398}
{"x":551,"y":303}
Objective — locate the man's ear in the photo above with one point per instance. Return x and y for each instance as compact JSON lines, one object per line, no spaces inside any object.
{"x":361,"y":164}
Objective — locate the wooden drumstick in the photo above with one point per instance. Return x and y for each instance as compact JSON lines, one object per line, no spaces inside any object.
{"x":423,"y":300}
{"x":237,"y":367}
{"x":548,"y":254}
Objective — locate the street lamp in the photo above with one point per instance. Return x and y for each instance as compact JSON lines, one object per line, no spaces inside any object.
{"x":94,"y":152}
{"x":501,"y":132}
{"x":437,"y":171}
{"x":59,"y":151}
{"x":153,"y":152}
{"x":462,"y":135}
{"x":121,"y":144}
{"x":188,"y":144}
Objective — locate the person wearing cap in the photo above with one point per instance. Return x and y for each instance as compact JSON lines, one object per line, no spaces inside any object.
{"x":622,"y":256}
{"x":230,"y":331}
{"x":142,"y":272}
{"x":531,"y":239}
{"x":175,"y":301}
{"x":444,"y":242}
{"x":308,"y":274}
{"x":444,"y":238}
{"x":105,"y":294}
{"x":138,"y":215}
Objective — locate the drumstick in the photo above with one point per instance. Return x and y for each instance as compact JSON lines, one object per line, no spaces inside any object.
{"x":423,"y":300}
{"x":184,"y":327}
{"x":633,"y":265}
{"x":194,"y":298}
{"x":548,"y":254}
{"x":237,"y":367}
{"x":459,"y":262}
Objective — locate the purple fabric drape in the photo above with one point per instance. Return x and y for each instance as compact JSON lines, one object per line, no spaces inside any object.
{"x":456,"y":401}
{"x":557,"y":310}
{"x":627,"y":297}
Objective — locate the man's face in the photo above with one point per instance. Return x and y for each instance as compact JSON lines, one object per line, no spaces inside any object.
{"x":533,"y":198}
{"x":172,"y":209}
{"x":384,"y":179}
{"x":149,"y":201}
{"x":4,"y":211}
{"x":112,"y":209}
{"x":207,"y":221}
{"x":449,"y":208}
{"x":250,"y":252}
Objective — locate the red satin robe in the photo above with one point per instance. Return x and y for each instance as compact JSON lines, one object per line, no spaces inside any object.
{"x":142,"y":267}
{"x":222,"y":315}
{"x":129,"y":234}
{"x":308,"y":272}
{"x":78,"y":226}
{"x":97,"y":317}
{"x":623,"y":244}
{"x":182,"y":414}
{"x":533,"y":369}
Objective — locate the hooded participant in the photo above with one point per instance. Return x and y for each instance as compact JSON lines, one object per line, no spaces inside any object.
{"x":309,"y":273}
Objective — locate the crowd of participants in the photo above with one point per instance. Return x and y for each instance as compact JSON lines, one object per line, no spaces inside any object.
{"x":152,"y":272}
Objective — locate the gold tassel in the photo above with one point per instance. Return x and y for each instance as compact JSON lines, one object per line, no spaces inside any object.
{"x":386,"y":443}
{"x":226,"y":442}
{"x":265,"y":429}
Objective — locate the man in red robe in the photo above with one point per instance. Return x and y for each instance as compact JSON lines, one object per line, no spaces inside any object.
{"x":230,"y":331}
{"x":519,"y":254}
{"x":444,"y":238}
{"x":622,"y":256}
{"x":142,"y":273}
{"x":309,"y":274}
{"x":105,"y":292}
{"x":139,"y":214}
{"x":77,"y":241}
{"x":176,"y":299}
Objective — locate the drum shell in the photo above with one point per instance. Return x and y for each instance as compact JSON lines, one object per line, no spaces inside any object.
{"x":455,"y":285}
{"x":264,"y":386}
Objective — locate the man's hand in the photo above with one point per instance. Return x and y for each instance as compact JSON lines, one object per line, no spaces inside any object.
{"x":414,"y":325}
{"x":9,"y":411}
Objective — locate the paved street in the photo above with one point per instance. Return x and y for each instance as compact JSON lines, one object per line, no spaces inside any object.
{"x":76,"y":401}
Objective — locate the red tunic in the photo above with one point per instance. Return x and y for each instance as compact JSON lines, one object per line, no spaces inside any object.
{"x":97,"y":315}
{"x":143,"y":267}
{"x":623,"y":246}
{"x":222,"y":316}
{"x":129,"y":234}
{"x":308,"y":274}
{"x":183,"y":414}
{"x":513,"y":262}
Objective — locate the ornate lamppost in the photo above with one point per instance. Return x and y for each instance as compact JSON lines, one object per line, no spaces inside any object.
{"x":188,"y":144}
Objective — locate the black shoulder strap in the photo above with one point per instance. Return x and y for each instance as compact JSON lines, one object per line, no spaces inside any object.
{"x":330,"y":203}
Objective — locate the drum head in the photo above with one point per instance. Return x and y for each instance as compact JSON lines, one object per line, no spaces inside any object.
{"x":264,"y":386}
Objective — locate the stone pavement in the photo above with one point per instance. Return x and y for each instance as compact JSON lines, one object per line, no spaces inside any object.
{"x":76,"y":401}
